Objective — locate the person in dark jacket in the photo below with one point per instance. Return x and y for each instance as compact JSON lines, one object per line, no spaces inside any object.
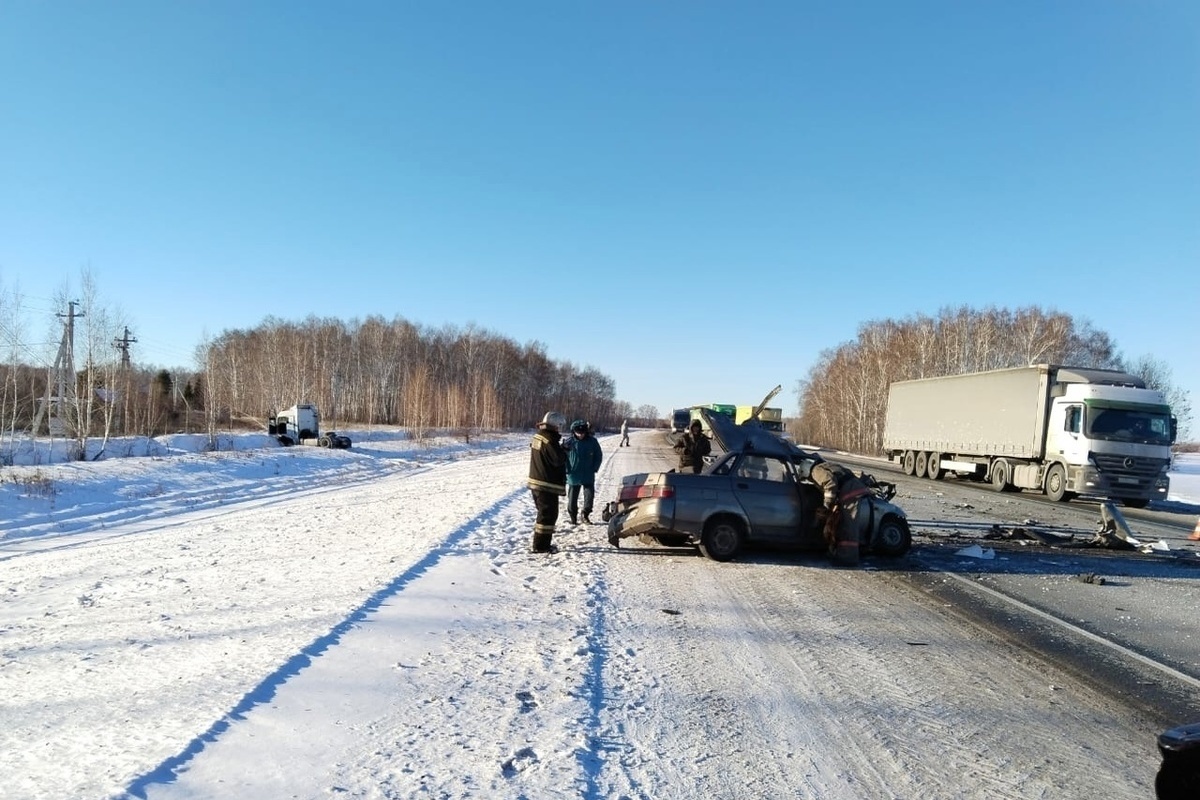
{"x":583,"y":461}
{"x":847,"y":509}
{"x":692,"y":447}
{"x":547,"y":478}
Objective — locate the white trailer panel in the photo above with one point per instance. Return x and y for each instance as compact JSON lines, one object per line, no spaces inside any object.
{"x":995,"y":413}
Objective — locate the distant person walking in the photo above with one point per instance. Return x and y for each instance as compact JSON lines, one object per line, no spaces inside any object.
{"x":584,"y":457}
{"x":624,"y":433}
{"x":547,"y":478}
{"x":692,"y":447}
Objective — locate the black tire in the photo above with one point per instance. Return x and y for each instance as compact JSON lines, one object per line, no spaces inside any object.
{"x":1000,"y":481}
{"x":286,"y":441}
{"x":1135,"y":502}
{"x":893,"y":538}
{"x":722,"y":539}
{"x":922,"y":464}
{"x":1056,"y":484}
{"x":933,"y":468}
{"x":909,"y":464}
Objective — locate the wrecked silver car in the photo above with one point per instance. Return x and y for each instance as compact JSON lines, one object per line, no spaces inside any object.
{"x":757,"y":492}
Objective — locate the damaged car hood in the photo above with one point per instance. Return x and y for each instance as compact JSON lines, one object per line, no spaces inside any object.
{"x":749,"y":436}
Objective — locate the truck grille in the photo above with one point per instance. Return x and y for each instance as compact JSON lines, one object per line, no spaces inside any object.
{"x":1128,"y":465}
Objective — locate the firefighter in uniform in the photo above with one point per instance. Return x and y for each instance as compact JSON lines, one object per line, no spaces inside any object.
{"x":847,"y":510}
{"x":547,"y":478}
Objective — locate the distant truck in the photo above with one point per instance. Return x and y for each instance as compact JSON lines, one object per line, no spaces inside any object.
{"x":680,"y":419}
{"x":769,"y":418}
{"x":697,"y":415}
{"x":1065,"y":431}
{"x":301,"y":424}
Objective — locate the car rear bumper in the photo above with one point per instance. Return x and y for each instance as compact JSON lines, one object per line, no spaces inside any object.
{"x":638,"y":519}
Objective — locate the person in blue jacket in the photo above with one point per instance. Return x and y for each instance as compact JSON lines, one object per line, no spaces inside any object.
{"x":583,"y":461}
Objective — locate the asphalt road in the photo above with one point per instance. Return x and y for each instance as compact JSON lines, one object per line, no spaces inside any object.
{"x":1123,"y":619}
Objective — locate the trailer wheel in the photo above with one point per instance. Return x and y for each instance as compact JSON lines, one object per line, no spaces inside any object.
{"x":1056,"y":484}
{"x":893,"y":538}
{"x":722,"y":539}
{"x":909,"y":465}
{"x":933,"y":469}
{"x":922,"y":464}
{"x":1000,"y":481}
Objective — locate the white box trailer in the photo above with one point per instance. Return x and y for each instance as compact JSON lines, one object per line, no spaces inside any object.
{"x":1065,"y":431}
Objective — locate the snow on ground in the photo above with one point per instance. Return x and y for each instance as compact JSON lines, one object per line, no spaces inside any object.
{"x":1185,"y":479}
{"x":298,"y":622}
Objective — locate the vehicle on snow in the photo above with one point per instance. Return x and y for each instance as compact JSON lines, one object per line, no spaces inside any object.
{"x":301,"y":424}
{"x":759,"y":491}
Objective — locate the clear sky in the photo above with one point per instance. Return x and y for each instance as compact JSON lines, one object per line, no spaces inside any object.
{"x":695,"y":198}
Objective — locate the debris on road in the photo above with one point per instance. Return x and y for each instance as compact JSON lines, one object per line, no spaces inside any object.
{"x":1031,"y":534}
{"x":1090,"y":577}
{"x":975,"y":551}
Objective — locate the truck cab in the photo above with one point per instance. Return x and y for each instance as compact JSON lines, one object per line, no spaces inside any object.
{"x":1113,"y":441}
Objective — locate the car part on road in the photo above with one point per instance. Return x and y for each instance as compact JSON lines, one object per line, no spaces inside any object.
{"x":1179,"y":774}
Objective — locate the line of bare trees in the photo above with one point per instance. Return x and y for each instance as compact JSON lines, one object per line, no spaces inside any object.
{"x":96,"y":394}
{"x":843,"y":400}
{"x":396,"y":373}
{"x":393,"y":372}
{"x":371,"y":372}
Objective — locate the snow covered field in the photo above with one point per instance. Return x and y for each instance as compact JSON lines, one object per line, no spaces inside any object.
{"x":267,"y":622}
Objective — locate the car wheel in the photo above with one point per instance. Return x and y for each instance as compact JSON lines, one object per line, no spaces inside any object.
{"x":722,"y":539}
{"x":1056,"y":483}
{"x":922,"y":464}
{"x":910,"y":462}
{"x":893,"y":538}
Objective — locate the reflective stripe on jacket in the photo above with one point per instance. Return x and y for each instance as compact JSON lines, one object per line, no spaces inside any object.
{"x":547,"y":463}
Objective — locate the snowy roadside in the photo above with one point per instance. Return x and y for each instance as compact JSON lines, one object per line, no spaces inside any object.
{"x":306,"y":622}
{"x":163,"y":477}
{"x":137,"y":618}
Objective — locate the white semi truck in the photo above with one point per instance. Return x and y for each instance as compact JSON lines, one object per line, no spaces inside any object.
{"x":301,"y":424}
{"x":1065,"y":431}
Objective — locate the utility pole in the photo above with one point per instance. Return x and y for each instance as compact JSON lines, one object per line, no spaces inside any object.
{"x":122,"y":344}
{"x":64,"y":365}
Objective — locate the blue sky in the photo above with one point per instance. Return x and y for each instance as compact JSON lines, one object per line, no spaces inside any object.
{"x":695,"y":198}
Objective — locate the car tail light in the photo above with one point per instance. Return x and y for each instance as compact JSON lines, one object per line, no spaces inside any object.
{"x":642,"y":491}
